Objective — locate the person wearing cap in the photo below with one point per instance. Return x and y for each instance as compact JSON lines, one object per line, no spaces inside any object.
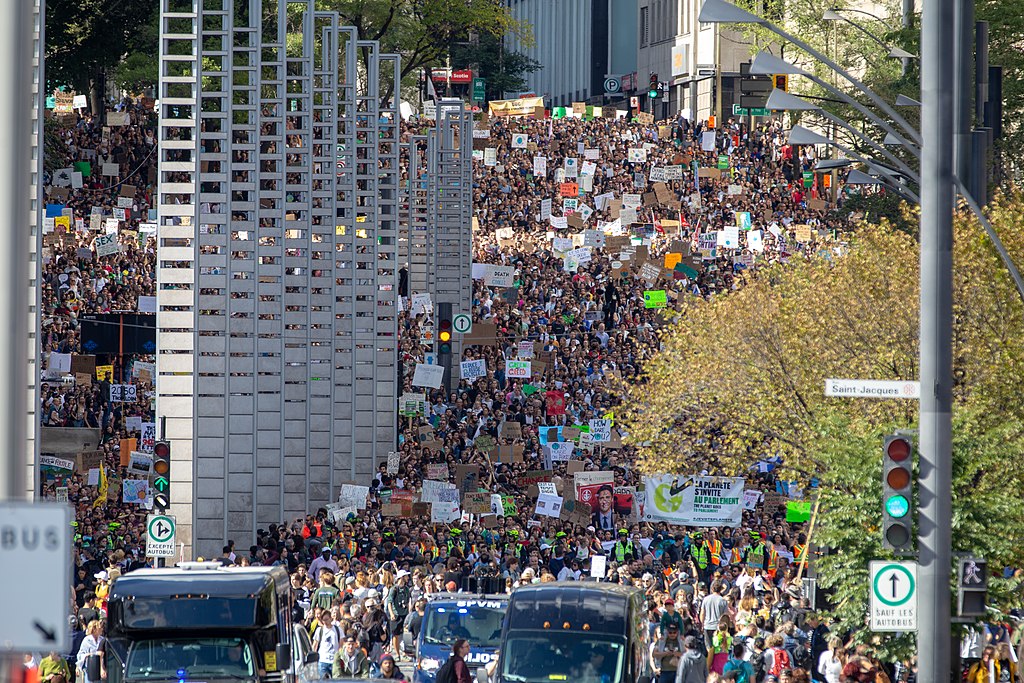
{"x":754,"y":555}
{"x":700,"y":556}
{"x":670,"y":617}
{"x":396,"y":606}
{"x":324,"y":561}
{"x":693,"y":666}
{"x":351,"y":661}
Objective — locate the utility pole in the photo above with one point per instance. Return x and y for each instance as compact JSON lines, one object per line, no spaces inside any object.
{"x":15,"y":88}
{"x":937,"y":196}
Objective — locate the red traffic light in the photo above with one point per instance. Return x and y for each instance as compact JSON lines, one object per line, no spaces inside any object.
{"x":898,"y":450}
{"x":162,"y":449}
{"x":445,"y":325}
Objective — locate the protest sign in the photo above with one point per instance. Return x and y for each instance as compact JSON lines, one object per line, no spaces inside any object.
{"x":123,"y":393}
{"x":587,"y":485}
{"x":518,"y":369}
{"x":691,"y":500}
{"x":561,"y":450}
{"x":750,"y":499}
{"x":477,"y":503}
{"x":134,"y":491}
{"x":140,"y":464}
{"x":438,"y":471}
{"x":548,"y":505}
{"x":499,"y":276}
{"x":472,"y":369}
{"x":655,"y":299}
{"x":107,"y":245}
{"x":601,"y":430}
{"x":428,"y":376}
{"x":394,"y":460}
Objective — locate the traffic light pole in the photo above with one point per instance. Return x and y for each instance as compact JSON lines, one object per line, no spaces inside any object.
{"x":937,"y":196}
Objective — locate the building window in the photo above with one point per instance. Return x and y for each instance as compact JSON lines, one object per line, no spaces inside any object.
{"x":645,"y":27}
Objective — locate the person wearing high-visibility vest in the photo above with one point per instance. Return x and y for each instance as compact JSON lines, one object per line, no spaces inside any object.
{"x":700,"y":555}
{"x":715,"y":548}
{"x":800,"y":552}
{"x":623,"y":550}
{"x":754,"y":555}
{"x":772,"y":563}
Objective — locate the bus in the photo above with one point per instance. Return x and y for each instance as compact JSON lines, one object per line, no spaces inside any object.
{"x":578,"y":631}
{"x":204,"y":622}
{"x":450,"y":616}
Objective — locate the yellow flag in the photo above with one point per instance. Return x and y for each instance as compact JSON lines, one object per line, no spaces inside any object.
{"x":102,"y":497}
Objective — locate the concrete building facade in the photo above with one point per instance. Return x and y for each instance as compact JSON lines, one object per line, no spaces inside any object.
{"x":577,"y":43}
{"x":278,"y":274}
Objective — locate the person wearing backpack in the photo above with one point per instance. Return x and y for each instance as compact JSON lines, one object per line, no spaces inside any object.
{"x":455,"y":670}
{"x":757,"y":660}
{"x":743,"y":670}
{"x":326,"y":641}
{"x":396,"y":605}
{"x":776,"y":658}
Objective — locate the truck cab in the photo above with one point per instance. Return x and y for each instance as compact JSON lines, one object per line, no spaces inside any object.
{"x":205,"y":623}
{"x":450,"y":616}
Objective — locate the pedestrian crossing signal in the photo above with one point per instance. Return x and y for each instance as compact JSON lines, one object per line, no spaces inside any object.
{"x":781,"y":82}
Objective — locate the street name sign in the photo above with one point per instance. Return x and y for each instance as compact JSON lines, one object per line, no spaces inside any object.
{"x":160,"y":530}
{"x":35,"y":562}
{"x":872,"y":388}
{"x":893,"y":596}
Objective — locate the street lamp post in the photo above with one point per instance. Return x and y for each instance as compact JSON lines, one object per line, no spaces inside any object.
{"x":894,"y":52}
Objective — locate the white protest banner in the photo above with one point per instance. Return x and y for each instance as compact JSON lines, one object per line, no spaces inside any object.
{"x":690,"y":500}
{"x":442,"y":513}
{"x":657,"y":174}
{"x":519,"y":141}
{"x":750,"y":499}
{"x":491,"y":156}
{"x":562,"y":244}
{"x":147,"y":304}
{"x":110,"y":170}
{"x":549,"y":505}
{"x":755,"y":241}
{"x":518,"y":369}
{"x":59,"y":463}
{"x":729,"y":237}
{"x":572,"y":167}
{"x":471,"y":369}
{"x":524,"y":350}
{"x":637,"y":155}
{"x":631,"y":200}
{"x":394,"y":460}
{"x":438,"y":491}
{"x":589,"y":168}
{"x":421,"y":304}
{"x":601,"y":430}
{"x":428,"y":376}
{"x":559,"y":222}
{"x":561,"y":451}
{"x":540,"y":167}
{"x":500,"y":276}
{"x":707,"y":141}
{"x":106,"y":245}
{"x":497,"y":507}
{"x":123,"y":393}
{"x":580,"y":255}
{"x":147,"y":440}
{"x":545,"y":209}
{"x":593,"y":239}
{"x":354,"y":496}
{"x":140,"y":464}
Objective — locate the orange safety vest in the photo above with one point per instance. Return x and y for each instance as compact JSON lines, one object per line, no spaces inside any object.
{"x":798,"y":551}
{"x":773,"y":560}
{"x":715,"y":547}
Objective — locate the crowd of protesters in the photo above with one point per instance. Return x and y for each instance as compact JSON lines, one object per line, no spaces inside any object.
{"x":724,"y":604}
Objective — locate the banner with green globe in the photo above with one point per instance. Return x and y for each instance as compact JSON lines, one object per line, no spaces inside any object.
{"x":690,"y":500}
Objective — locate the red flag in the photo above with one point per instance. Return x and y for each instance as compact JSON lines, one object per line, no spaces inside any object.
{"x":555,"y":402}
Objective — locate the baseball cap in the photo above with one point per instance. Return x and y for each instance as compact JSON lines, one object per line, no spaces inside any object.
{"x":670,"y":601}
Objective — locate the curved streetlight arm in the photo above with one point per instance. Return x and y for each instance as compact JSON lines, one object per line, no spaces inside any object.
{"x":723,"y":11}
{"x":863,"y":30}
{"x":909,"y":172}
{"x":875,"y":118}
{"x":880,"y":20}
{"x":882,"y":104}
{"x":990,"y":231}
{"x":892,"y":182}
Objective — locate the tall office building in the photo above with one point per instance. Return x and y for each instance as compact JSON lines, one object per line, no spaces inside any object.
{"x":278,"y":282}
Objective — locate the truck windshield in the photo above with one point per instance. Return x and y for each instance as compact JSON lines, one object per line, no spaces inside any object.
{"x":480,"y":625}
{"x":536,"y":656}
{"x":195,"y":658}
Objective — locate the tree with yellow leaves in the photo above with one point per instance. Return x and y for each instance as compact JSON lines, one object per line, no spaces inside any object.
{"x":741,"y":377}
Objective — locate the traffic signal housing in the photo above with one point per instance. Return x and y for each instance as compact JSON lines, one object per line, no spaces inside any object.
{"x":897,"y":493}
{"x":444,"y":335}
{"x":162,"y":475}
{"x":654,"y":88}
{"x":781,"y":81}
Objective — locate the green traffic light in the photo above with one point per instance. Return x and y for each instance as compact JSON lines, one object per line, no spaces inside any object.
{"x":897,"y":506}
{"x":652,"y":93}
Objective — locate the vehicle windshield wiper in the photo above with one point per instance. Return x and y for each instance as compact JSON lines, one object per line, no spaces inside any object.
{"x":434,"y":641}
{"x":513,"y":677}
{"x":210,"y":671}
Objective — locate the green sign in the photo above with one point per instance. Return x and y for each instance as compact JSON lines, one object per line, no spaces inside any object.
{"x":737,"y":110}
{"x":479,"y":89}
{"x":655,"y":298}
{"x":808,"y":178}
{"x":723,"y":162}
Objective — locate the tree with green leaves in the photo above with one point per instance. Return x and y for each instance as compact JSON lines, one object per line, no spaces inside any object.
{"x":741,"y":377}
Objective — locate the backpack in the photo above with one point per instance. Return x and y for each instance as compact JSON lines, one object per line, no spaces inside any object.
{"x":780,"y":661}
{"x":737,"y":665}
{"x":757,"y":664}
{"x":446,"y":674}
